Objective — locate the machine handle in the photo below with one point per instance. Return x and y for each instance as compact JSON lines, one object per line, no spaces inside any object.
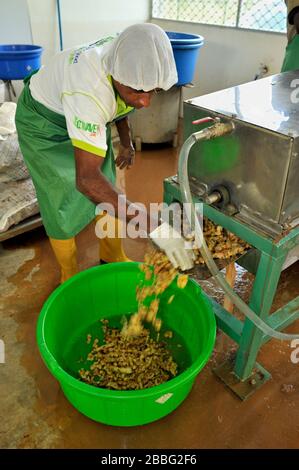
{"x":205,"y":120}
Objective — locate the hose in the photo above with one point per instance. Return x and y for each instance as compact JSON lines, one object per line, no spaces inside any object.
{"x":217,"y":130}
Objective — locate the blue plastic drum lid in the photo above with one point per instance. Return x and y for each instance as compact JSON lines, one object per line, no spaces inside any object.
{"x":184,"y":38}
{"x":18,"y":60}
{"x":185,"y":50}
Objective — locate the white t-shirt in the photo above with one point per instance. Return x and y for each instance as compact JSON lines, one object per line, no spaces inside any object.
{"x":75,"y":85}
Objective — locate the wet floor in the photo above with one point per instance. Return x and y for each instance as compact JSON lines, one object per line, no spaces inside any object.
{"x":33,"y":410}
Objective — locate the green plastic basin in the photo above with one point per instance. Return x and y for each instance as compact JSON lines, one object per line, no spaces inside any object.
{"x":108,"y":291}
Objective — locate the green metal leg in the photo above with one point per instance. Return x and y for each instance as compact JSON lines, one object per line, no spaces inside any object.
{"x":169,"y":196}
{"x":241,"y":373}
{"x":261,"y":300}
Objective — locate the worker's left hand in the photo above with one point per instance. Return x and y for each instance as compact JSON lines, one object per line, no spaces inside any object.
{"x":126,"y":157}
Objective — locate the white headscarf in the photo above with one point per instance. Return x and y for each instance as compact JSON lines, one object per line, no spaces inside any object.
{"x":141,"y":57}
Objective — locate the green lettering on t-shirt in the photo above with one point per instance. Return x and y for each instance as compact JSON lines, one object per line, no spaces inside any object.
{"x":85,"y":126}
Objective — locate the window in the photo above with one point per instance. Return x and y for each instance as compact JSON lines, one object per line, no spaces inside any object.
{"x":267,"y":15}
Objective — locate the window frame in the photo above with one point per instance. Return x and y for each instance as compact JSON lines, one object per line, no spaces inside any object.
{"x":236,"y":27}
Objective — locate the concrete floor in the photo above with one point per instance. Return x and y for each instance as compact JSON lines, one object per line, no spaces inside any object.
{"x":33,"y":410}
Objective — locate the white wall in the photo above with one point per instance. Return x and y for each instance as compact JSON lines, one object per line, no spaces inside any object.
{"x":100,"y":18}
{"x":229,"y":56}
{"x":44,"y":27}
{"x":82,"y":20}
{"x":14,"y":22}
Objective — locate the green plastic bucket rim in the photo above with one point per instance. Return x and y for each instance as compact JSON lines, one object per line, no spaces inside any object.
{"x":66,"y":379}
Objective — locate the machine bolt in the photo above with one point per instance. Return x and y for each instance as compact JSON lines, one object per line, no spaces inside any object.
{"x":215,"y":196}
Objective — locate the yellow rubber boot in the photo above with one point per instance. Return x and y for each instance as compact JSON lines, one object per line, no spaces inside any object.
{"x":66,"y":255}
{"x":111,"y":247}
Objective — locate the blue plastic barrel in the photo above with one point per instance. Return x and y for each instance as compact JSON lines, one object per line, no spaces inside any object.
{"x":185,"y":50}
{"x":18,"y":60}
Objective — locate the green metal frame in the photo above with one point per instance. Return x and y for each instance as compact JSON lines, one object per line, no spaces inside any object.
{"x":272,"y":254}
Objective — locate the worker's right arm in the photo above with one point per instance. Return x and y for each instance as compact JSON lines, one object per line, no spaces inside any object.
{"x":91,"y":182}
{"x":90,"y":179}
{"x":86,"y":127}
{"x":296,"y":20}
{"x":293,"y":13}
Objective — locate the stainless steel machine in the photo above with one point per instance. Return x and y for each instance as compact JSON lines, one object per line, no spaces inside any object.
{"x":248,"y":182}
{"x":258,"y":163}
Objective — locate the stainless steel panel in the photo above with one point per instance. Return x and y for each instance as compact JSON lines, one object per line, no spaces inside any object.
{"x":290,"y":206}
{"x":264,"y":103}
{"x":259,"y":162}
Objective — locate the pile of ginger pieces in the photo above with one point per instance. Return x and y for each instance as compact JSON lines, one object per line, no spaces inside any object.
{"x":130,"y":359}
{"x":160,"y":273}
{"x":221,"y":243}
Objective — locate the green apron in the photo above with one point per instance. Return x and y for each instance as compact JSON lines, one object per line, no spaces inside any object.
{"x":49,"y":156}
{"x":291,"y":59}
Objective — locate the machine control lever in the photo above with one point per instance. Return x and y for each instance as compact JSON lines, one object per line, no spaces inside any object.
{"x":205,"y":120}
